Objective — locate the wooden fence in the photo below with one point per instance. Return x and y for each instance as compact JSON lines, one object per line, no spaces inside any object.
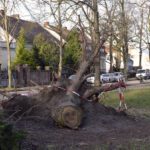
{"x":24,"y":76}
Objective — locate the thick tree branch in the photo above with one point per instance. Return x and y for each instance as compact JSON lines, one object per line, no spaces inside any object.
{"x":108,"y":87}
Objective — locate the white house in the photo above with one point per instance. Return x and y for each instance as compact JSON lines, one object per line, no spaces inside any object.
{"x":3,"y":49}
{"x":14,"y":26}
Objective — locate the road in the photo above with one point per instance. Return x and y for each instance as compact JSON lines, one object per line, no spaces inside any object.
{"x":136,"y":83}
{"x":131,"y":84}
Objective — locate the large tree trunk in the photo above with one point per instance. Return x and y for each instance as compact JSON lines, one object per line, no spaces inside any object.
{"x":96,"y":41}
{"x":64,"y":109}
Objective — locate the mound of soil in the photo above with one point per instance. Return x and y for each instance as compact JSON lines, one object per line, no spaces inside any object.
{"x":102,"y":127}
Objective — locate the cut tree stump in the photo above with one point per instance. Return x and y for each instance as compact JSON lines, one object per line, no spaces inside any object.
{"x":64,"y":108}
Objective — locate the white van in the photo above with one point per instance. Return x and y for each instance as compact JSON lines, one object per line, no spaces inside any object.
{"x":143,"y":73}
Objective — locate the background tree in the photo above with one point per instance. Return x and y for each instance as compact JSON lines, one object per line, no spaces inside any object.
{"x":7,"y":7}
{"x":55,"y":8}
{"x":140,"y":28}
{"x":96,"y":39}
{"x":90,"y":21}
{"x":22,"y":54}
{"x":72,"y":50}
{"x":110,"y":6}
{"x":43,"y":52}
{"x":124,"y":34}
{"x":148,"y":30}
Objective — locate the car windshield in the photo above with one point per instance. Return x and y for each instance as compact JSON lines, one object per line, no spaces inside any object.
{"x":105,"y":75}
{"x":118,"y":73}
{"x":140,"y":71}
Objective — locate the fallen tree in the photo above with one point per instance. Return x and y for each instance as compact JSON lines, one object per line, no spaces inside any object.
{"x":64,"y":100}
{"x":65,"y":107}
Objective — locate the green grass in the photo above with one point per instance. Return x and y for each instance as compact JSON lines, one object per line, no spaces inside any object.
{"x":137,"y":100}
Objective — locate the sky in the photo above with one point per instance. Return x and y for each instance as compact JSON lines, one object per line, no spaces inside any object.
{"x":30,"y":10}
{"x":27,"y":11}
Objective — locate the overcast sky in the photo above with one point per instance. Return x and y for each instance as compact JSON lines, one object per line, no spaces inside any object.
{"x":33,"y":11}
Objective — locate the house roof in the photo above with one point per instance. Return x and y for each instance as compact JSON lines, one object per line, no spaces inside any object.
{"x":65,"y":32}
{"x":31,"y":29}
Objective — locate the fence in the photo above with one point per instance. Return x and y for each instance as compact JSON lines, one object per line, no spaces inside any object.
{"x":24,"y":76}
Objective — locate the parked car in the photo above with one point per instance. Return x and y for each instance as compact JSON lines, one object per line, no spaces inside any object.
{"x":72,"y":77}
{"x":118,"y":76}
{"x":143,"y":73}
{"x":131,"y":74}
{"x":90,"y":79}
{"x":104,"y":78}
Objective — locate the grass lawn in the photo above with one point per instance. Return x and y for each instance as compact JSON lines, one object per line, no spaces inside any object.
{"x":137,"y":100}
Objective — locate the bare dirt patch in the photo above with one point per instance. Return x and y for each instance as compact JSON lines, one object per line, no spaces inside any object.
{"x":101,"y":128}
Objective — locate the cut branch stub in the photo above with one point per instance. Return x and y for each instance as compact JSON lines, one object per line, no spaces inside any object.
{"x":69,"y":115}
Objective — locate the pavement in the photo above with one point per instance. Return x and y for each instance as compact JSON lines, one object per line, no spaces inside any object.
{"x":134,"y":82}
{"x":137,"y":83}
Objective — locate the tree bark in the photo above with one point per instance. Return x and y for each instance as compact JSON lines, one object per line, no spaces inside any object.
{"x":96,"y":41}
{"x":124,"y":37}
{"x":61,"y":41}
{"x":140,"y":44}
{"x":8,"y":48}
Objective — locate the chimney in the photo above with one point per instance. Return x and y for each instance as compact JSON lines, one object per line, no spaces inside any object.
{"x":46,"y":24}
{"x":2,"y":12}
{"x":16,"y":16}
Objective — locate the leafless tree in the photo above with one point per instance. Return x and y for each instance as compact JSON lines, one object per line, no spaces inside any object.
{"x":148,"y":31}
{"x":110,"y":7}
{"x":141,"y":26}
{"x":63,"y":99}
{"x":125,"y":47}
{"x":8,"y":6}
{"x":91,"y":18}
